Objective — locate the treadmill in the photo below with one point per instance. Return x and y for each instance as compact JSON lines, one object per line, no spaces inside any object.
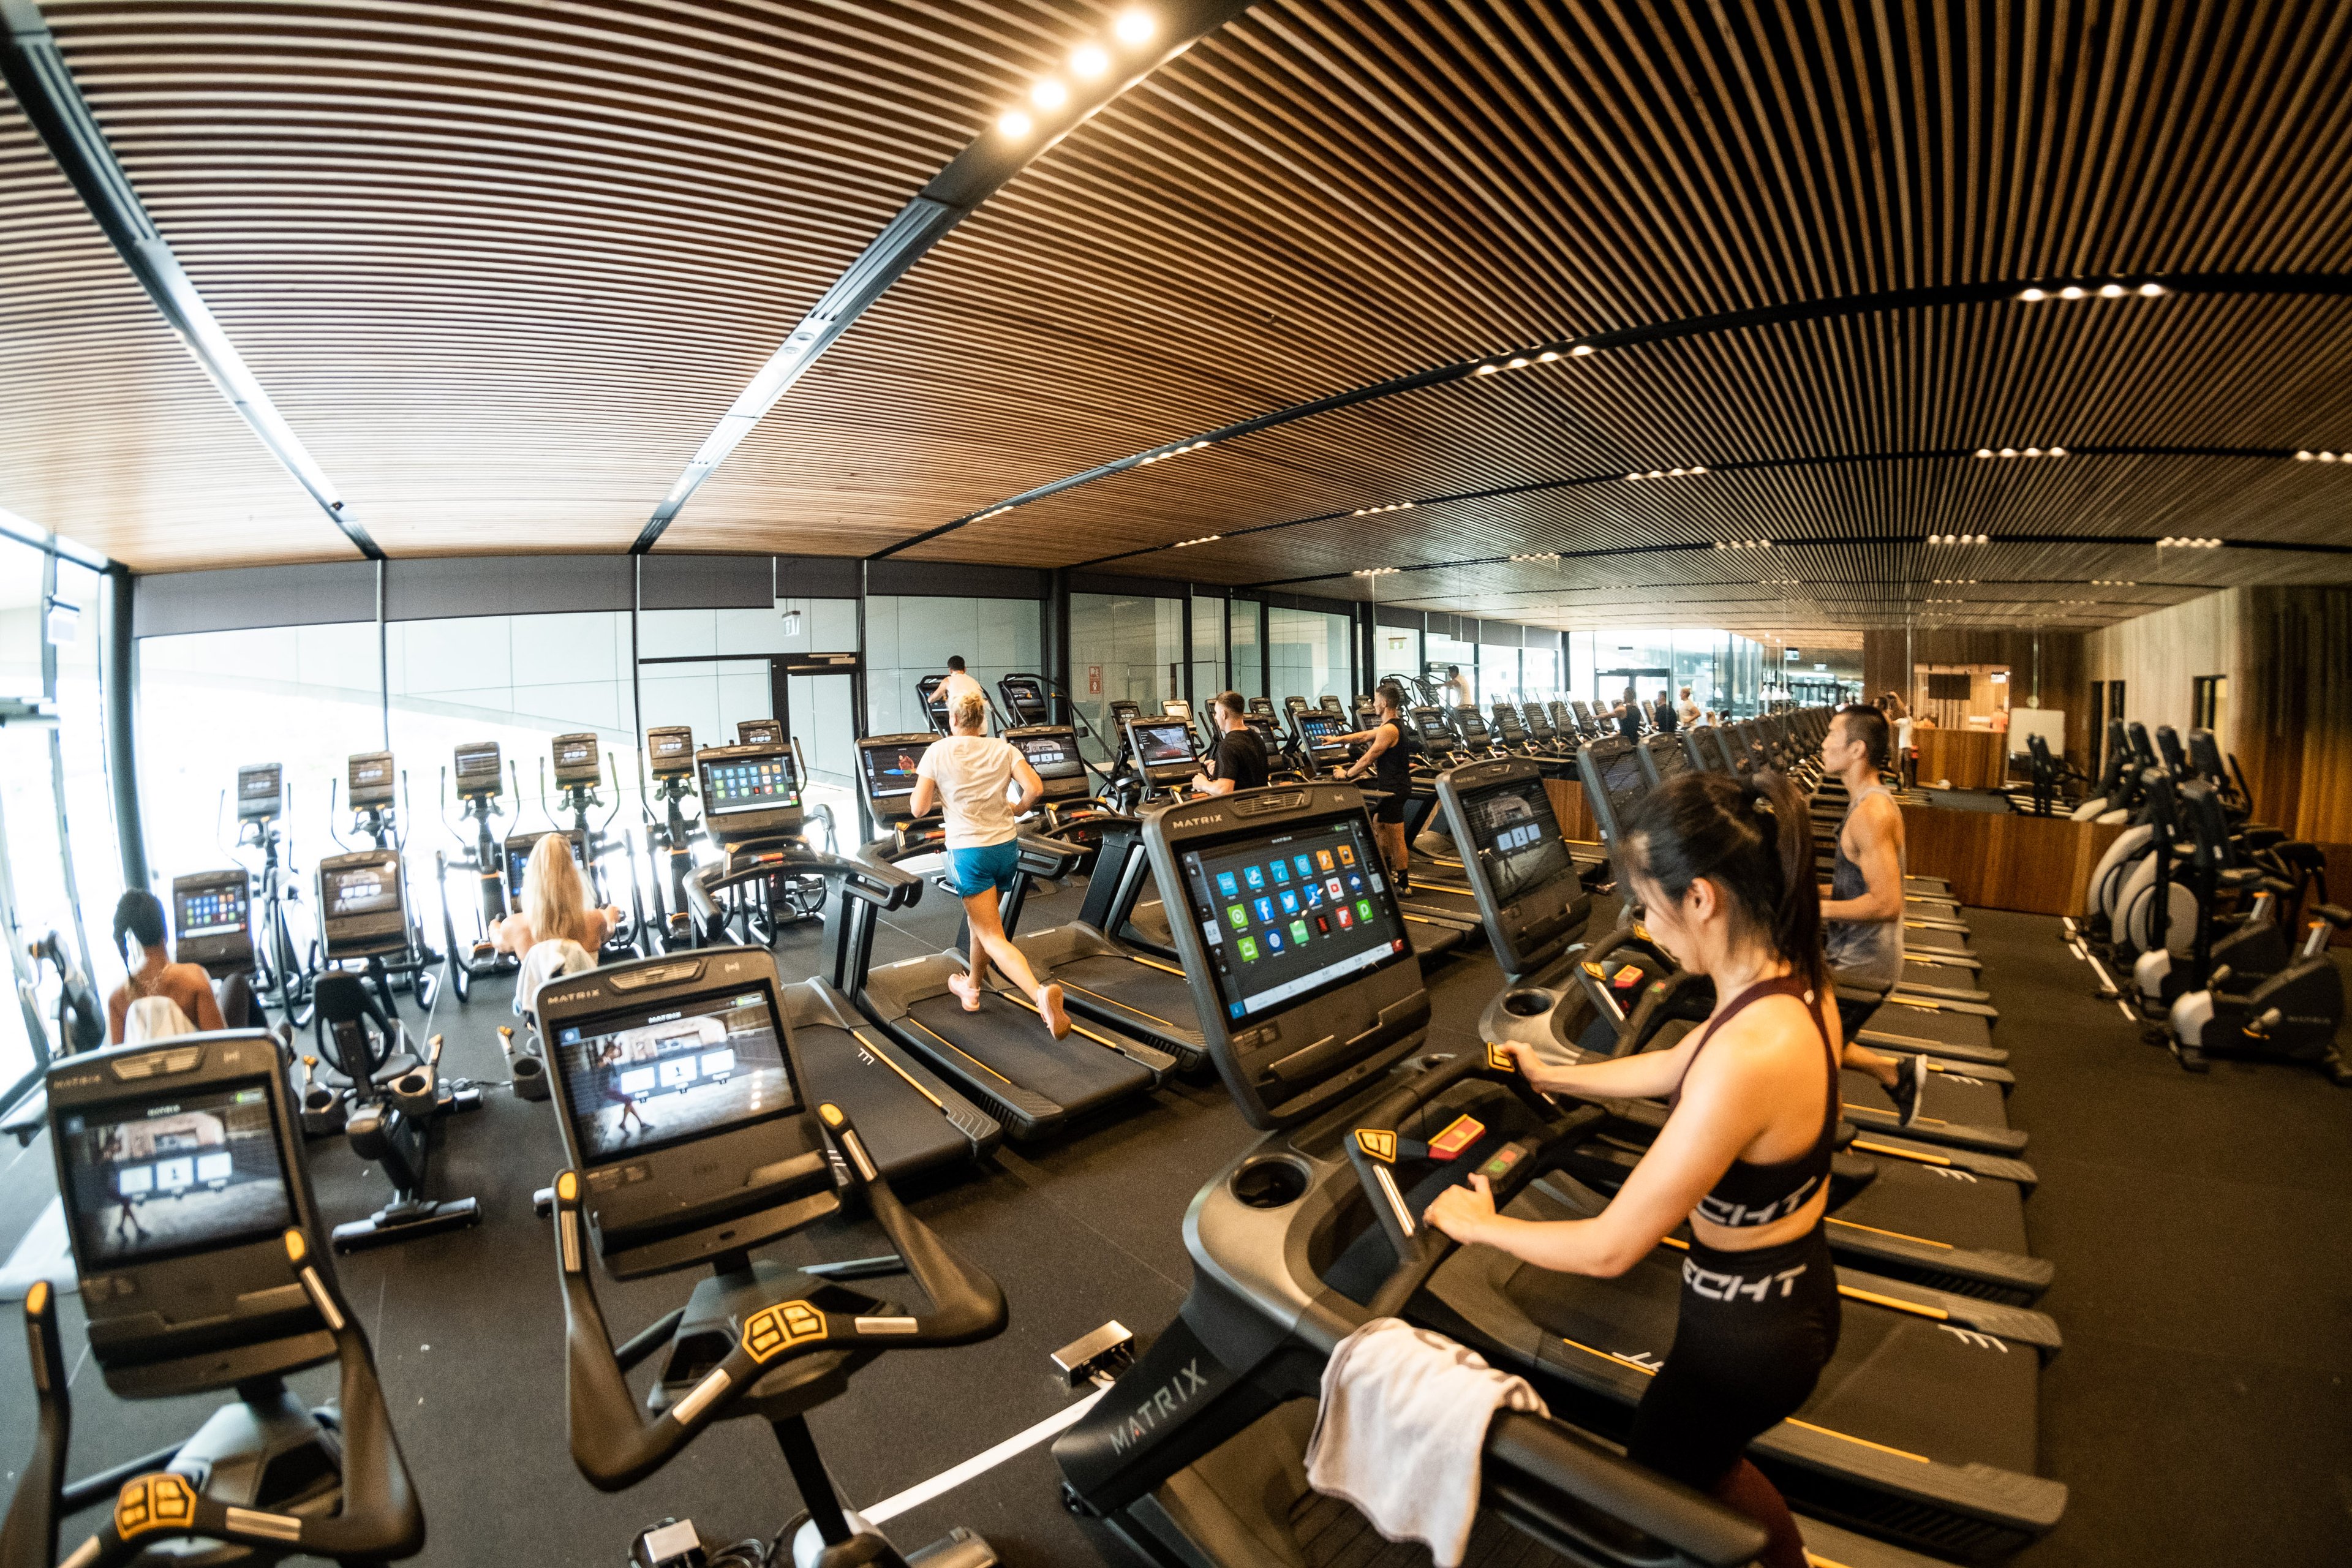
{"x":1438,"y":910}
{"x":1100,"y":976}
{"x":1949,"y":1218}
{"x":1923,"y":1431}
{"x":915,"y":1119}
{"x":1000,"y":1056}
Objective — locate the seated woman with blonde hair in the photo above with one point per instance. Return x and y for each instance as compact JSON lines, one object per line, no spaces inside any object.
{"x":558,"y":932}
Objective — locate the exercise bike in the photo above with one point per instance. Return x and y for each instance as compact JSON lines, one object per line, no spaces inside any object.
{"x":394,"y":1103}
{"x":2292,"y":1015}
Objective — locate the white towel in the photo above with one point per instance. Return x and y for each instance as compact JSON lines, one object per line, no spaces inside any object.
{"x":546,"y":961}
{"x":154,"y":1018}
{"x":1404,"y":1429}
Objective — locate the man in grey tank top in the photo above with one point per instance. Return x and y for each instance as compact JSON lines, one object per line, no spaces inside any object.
{"x":1862,"y":908}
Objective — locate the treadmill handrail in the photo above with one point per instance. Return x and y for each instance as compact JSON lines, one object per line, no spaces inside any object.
{"x":614,"y":1449}
{"x":876,"y":882}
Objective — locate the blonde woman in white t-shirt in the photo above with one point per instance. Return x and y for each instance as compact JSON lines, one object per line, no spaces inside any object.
{"x":970,"y":776}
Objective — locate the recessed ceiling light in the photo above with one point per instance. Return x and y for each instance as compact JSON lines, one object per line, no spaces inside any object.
{"x":1014,"y":124}
{"x":2032,"y":296}
{"x":2151,"y":291}
{"x":2111,"y":291}
{"x":1049,"y":94}
{"x":2070,"y":292}
{"x":1134,"y":27}
{"x":1580,"y":350}
{"x":1088,"y":62}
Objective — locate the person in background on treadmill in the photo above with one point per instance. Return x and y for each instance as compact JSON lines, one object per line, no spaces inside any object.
{"x":1665,"y":713}
{"x":1629,"y":716}
{"x":1724,"y":871}
{"x":1458,"y":687}
{"x":1238,"y":760}
{"x":1687,"y":710}
{"x":958,"y":682}
{"x":1388,"y":757}
{"x":970,"y":776}
{"x":1861,"y":905}
{"x":138,"y":934}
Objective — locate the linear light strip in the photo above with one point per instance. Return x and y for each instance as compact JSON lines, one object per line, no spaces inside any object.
{"x":36,"y":74}
{"x":1573,"y":349}
{"x":986,"y":164}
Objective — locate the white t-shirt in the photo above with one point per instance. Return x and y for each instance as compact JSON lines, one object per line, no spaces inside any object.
{"x":1687,"y":713}
{"x":957,"y":683}
{"x":1902,"y":734}
{"x":972,"y":772}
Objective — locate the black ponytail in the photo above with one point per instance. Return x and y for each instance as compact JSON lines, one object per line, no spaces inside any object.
{"x":138,"y":914}
{"x":1753,"y":838}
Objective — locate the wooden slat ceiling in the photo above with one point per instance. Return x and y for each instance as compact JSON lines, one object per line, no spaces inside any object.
{"x":502,"y":266}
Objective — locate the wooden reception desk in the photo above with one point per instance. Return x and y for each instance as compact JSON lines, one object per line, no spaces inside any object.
{"x":1971,"y":759}
{"x":2040,"y":865}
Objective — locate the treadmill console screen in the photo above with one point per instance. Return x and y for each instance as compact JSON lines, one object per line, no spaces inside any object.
{"x":1434,"y":732}
{"x":1163,"y":743}
{"x":1518,"y":839}
{"x":211,"y":908}
{"x":1321,"y":732}
{"x":1053,"y":753}
{"x":1026,"y":698}
{"x":669,"y":751}
{"x":1474,"y":729}
{"x":172,"y":1173}
{"x":478,"y":768}
{"x":363,"y":890}
{"x":1287,"y":916}
{"x":749,"y":783}
{"x":370,"y":773}
{"x":890,"y":770}
{"x":681,"y":1069}
{"x":575,"y":760}
{"x":1620,"y":782}
{"x":260,"y":791}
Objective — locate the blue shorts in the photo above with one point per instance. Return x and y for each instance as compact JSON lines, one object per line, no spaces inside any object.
{"x":994,"y":866}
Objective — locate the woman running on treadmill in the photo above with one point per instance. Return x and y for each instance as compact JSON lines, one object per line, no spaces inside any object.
{"x":971,"y":774}
{"x":1388,"y":757}
{"x":139,"y":935}
{"x":1724,"y":870}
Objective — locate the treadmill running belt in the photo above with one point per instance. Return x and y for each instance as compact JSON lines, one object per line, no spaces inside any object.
{"x":1948,"y":1096}
{"x":1129,"y":987}
{"x":1982,"y":1214}
{"x":905,"y":1128}
{"x":1332,"y":1534}
{"x":1008,"y":1041}
{"x":1897,"y":1026}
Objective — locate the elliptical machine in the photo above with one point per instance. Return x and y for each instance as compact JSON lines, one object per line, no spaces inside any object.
{"x":283,"y":969}
{"x":579,"y":771}
{"x":480,"y":782}
{"x":393,"y":1102}
{"x":671,"y":837}
{"x":374,"y":814}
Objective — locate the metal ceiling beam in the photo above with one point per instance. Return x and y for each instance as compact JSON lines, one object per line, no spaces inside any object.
{"x":977,"y":172}
{"x":36,"y":74}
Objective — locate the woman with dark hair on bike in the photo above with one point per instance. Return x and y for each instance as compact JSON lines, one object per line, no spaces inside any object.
{"x":1724,"y":872}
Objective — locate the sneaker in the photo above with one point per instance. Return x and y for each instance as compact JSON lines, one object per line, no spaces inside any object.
{"x":1050,"y":1008}
{"x":1910,"y":1079}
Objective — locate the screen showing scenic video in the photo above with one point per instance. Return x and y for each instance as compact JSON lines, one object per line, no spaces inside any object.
{"x":1517,"y":837}
{"x":749,"y":783}
{"x":519,"y":849}
{"x":1054,"y":755}
{"x":477,"y":765}
{"x":370,"y":889}
{"x":218,"y":910}
{"x":1289,"y":915}
{"x":175,"y":1174}
{"x":890,"y":770}
{"x":639,"y":1081}
{"x":758,"y":733}
{"x":1161,"y":744}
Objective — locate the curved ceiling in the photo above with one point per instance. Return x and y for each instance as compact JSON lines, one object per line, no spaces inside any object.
{"x":504,"y":266}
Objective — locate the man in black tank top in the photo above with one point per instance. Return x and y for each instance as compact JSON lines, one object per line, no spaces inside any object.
{"x":1388,"y":757}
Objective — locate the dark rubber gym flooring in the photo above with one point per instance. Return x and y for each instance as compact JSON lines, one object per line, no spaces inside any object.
{"x":2198,"y":1411}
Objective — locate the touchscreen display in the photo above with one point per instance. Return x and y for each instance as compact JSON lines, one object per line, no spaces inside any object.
{"x":749,"y":783}
{"x":1025,"y":696}
{"x":685,"y":1070}
{"x":1474,"y":729}
{"x":257,"y":790}
{"x":215,"y":910}
{"x":669,"y":751}
{"x":1163,"y":744}
{"x":1053,"y":755}
{"x":575,"y":759}
{"x":370,"y":889}
{"x":1289,"y":916}
{"x":890,"y":770}
{"x":1434,"y":733}
{"x":1320,"y":728}
{"x":172,"y":1175}
{"x":371,"y":777}
{"x":477,"y":765}
{"x":1518,"y":841}
{"x":519,"y":849}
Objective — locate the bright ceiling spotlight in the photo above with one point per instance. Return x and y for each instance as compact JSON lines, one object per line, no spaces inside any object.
{"x":1134,"y":27}
{"x":2070,"y":292}
{"x":1546,"y":356}
{"x":1580,"y":350}
{"x":2151,"y":291}
{"x":1049,"y":94}
{"x":2055,"y":452}
{"x":2032,"y":296}
{"x":2034,"y":451}
{"x":1984,"y":451}
{"x":1087,"y":61}
{"x":1013,"y":124}
{"x":2009,"y":451}
{"x":2111,"y":291}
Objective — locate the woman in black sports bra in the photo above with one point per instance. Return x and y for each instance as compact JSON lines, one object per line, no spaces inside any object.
{"x":1724,"y":872}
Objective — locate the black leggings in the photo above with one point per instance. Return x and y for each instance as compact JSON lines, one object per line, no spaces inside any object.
{"x":1755,"y":1331}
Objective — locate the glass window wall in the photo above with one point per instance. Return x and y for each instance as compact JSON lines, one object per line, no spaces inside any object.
{"x":1307,"y":654}
{"x":1208,"y":650}
{"x":1249,"y":661}
{"x":1538,"y":674}
{"x":1124,"y":646}
{"x":1445,"y":652}
{"x":1397,"y":650}
{"x":909,"y":637}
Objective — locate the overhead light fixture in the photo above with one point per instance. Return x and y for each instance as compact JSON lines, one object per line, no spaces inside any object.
{"x":1167,"y":452}
{"x":1013,"y":124}
{"x":1393,"y":506}
{"x":2189,"y":544}
{"x":1049,"y":95}
{"x":2113,"y":583}
{"x":1134,"y":27}
{"x":1088,"y":62}
{"x":1960,"y":539}
{"x":2071,"y":292}
{"x":2032,"y":296}
{"x":2323,"y":457}
{"x":1743,"y":544}
{"x":992,"y":512}
{"x":2151,"y":291}
{"x":1539,"y":555}
{"x":1376,"y":572}
{"x":2111,"y":291}
{"x":1188,"y":544}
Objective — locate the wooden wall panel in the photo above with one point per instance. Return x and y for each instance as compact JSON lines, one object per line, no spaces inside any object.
{"x":2038,"y":865}
{"x":1574,"y":812}
{"x":1966,"y":759}
{"x":2293,"y":716}
{"x":2048,"y":662}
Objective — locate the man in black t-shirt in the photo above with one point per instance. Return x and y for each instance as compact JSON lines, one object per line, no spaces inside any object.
{"x":1238,"y":759}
